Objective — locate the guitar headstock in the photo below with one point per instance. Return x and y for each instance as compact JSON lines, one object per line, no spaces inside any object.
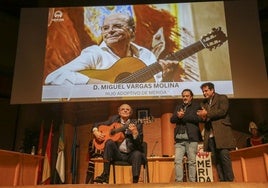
{"x":214,"y":39}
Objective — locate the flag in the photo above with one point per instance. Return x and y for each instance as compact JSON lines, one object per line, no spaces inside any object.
{"x":60,"y":163}
{"x":39,"y":152}
{"x":74,"y":158}
{"x":47,"y":160}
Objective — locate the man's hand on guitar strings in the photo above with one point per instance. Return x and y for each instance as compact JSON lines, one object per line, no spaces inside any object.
{"x":98,"y":135}
{"x":133,"y":128}
{"x":167,"y":66}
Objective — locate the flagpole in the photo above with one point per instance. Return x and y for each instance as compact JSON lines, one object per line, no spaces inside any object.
{"x":74,"y":158}
{"x":40,"y":153}
{"x":60,"y":163}
{"x":46,"y":176}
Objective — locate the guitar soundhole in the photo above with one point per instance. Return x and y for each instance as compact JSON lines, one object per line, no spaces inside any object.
{"x":122,"y":76}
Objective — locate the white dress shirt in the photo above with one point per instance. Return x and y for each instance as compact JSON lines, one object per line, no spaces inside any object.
{"x":96,"y":57}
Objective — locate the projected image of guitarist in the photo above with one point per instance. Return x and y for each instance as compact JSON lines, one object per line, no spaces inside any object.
{"x":120,"y":138}
{"x":99,"y":64}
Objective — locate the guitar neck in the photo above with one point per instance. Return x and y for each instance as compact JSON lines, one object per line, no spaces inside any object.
{"x":120,"y":129}
{"x":186,"y":52}
{"x":148,"y":72}
{"x":123,"y":128}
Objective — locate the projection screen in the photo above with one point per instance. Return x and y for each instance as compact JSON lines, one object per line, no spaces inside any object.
{"x":206,"y":41}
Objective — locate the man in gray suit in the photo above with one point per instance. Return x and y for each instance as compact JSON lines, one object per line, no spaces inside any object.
{"x":218,"y":136}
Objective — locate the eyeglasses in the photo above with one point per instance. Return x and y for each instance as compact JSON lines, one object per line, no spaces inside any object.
{"x":107,"y":28}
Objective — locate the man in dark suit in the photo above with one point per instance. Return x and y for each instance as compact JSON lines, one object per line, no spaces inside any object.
{"x":218,"y":136}
{"x":124,"y":145}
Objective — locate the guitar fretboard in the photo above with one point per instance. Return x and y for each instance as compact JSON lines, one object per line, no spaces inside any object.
{"x":185,"y":52}
{"x":143,"y":74}
{"x":148,"y":72}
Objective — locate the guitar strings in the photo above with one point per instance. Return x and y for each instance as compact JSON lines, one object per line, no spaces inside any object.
{"x":179,"y":56}
{"x":136,"y":76}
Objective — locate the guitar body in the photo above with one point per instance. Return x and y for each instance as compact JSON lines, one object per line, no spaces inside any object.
{"x":121,"y":69}
{"x":106,"y":130}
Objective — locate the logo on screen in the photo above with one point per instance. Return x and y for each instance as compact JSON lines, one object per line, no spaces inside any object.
{"x":58,"y":16}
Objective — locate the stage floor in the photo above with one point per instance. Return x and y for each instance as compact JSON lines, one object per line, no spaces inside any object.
{"x":155,"y":185}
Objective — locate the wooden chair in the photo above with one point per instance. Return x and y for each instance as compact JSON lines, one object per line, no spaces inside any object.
{"x":124,"y":163}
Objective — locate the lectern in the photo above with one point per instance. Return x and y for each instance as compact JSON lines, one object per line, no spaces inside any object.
{"x":18,"y":168}
{"x":250,"y":164}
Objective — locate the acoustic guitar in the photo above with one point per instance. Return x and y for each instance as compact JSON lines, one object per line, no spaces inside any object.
{"x":133,"y":70}
{"x":114,"y":132}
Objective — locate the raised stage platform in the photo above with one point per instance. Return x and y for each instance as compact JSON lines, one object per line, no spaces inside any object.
{"x":154,"y":185}
{"x":250,"y":167}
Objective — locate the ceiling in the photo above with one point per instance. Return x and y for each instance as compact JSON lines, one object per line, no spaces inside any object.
{"x":9,"y":23}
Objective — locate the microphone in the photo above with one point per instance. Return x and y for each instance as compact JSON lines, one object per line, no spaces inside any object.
{"x":152,"y":154}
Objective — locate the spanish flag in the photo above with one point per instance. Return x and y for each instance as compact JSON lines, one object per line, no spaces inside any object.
{"x":46,"y":176}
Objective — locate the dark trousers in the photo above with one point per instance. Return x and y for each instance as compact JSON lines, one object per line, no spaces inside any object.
{"x":221,"y":158}
{"x":112,"y":153}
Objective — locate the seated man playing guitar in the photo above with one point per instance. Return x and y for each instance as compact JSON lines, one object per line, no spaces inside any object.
{"x":121,"y":139}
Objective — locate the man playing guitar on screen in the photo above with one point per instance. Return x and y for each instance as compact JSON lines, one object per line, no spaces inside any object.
{"x":118,"y":34}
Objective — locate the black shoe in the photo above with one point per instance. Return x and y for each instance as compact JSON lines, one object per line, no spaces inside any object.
{"x":135,"y":179}
{"x":103,"y":178}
